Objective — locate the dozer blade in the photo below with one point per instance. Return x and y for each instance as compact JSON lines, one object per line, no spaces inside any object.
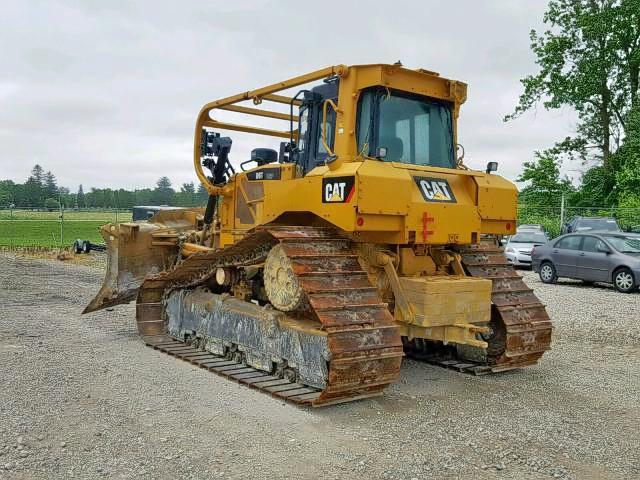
{"x":138,"y":249}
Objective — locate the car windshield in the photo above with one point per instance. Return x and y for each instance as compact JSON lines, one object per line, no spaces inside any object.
{"x":607,"y":224}
{"x":398,"y":127}
{"x":528,"y":237}
{"x":625,"y":244}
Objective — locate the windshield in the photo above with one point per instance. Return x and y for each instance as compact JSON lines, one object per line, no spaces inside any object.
{"x":398,"y":127}
{"x":625,"y":244}
{"x":528,"y":238}
{"x":608,"y":224}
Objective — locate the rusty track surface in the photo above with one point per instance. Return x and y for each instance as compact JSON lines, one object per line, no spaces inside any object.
{"x":364,"y":343}
{"x":522,"y":328}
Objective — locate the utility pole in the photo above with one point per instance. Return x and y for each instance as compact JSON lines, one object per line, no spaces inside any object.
{"x":562,"y":211}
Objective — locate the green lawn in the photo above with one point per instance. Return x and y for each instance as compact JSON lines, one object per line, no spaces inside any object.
{"x":26,"y":228}
{"x":46,"y":233}
{"x":70,"y":215}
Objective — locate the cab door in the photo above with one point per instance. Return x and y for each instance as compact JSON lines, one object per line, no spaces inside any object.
{"x":593,"y":263}
{"x":565,"y":255}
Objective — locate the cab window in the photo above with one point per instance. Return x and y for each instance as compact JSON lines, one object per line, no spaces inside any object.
{"x":303,"y":128}
{"x":399,"y":127}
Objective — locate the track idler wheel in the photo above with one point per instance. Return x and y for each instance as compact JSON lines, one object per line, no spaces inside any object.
{"x":496,"y":338}
{"x":280,"y":282}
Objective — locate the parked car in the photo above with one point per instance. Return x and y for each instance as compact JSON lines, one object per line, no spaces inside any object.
{"x":531,"y":227}
{"x":585,"y":224}
{"x":593,"y":257}
{"x":519,"y":247}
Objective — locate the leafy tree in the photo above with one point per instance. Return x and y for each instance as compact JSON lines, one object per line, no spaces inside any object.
{"x":80,"y":199}
{"x":163,"y":192}
{"x":51,"y":204}
{"x":37,"y":174}
{"x":50,"y":185}
{"x":7,"y":189}
{"x":629,"y":212}
{"x":598,"y":188}
{"x":628,"y":177}
{"x":188,"y":188}
{"x":545,"y":185}
{"x":589,"y":60}
{"x":203,"y":194}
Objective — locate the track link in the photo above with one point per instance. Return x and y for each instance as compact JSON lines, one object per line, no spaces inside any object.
{"x":286,"y":390}
{"x":364,"y":343}
{"x":522,"y":328}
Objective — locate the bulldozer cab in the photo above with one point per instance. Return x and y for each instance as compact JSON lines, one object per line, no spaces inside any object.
{"x":353,"y":135}
{"x":391,"y":126}
{"x":382,"y":112}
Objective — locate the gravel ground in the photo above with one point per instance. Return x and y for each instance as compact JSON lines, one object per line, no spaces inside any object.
{"x":81,"y":397}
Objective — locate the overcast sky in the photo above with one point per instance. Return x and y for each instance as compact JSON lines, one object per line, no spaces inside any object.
{"x":105,"y":93}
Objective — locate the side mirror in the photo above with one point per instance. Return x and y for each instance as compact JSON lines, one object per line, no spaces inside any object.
{"x":492,"y":167}
{"x":603,"y":249}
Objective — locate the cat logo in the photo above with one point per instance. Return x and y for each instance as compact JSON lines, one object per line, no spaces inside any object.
{"x":338,"y":189}
{"x":435,"y":190}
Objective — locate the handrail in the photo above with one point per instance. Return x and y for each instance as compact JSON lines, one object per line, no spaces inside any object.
{"x":257,"y":96}
{"x":323,"y":137}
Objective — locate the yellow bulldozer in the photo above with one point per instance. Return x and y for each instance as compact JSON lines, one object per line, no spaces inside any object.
{"x":314,"y":269}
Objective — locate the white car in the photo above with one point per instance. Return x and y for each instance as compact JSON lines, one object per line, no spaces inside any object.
{"x":519,"y":248}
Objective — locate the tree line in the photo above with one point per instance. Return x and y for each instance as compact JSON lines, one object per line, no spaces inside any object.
{"x":41,"y":190}
{"x":588,"y":60}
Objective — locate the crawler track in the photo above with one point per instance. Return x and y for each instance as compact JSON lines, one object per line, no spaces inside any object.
{"x":521,"y":328}
{"x":520,"y":323}
{"x":364,"y":344}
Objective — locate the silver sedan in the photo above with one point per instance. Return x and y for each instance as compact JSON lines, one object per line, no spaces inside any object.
{"x":519,"y":247}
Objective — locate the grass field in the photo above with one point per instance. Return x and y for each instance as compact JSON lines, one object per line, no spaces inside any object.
{"x":46,"y":233}
{"x":26,"y":228}
{"x":69,"y":215}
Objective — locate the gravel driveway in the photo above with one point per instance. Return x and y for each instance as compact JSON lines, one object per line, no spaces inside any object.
{"x":81,"y":397}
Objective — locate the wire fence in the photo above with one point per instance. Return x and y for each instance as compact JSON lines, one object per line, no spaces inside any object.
{"x":54,"y":228}
{"x":58,"y":228}
{"x":553,"y":217}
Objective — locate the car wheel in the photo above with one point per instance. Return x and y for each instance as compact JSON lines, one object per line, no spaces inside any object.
{"x":548,"y":273}
{"x":86,"y":247}
{"x":623,"y":280}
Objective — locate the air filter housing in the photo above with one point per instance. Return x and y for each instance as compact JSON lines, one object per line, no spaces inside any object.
{"x":262,"y":156}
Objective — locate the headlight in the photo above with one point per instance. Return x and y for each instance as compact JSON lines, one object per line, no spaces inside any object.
{"x":510,"y":250}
